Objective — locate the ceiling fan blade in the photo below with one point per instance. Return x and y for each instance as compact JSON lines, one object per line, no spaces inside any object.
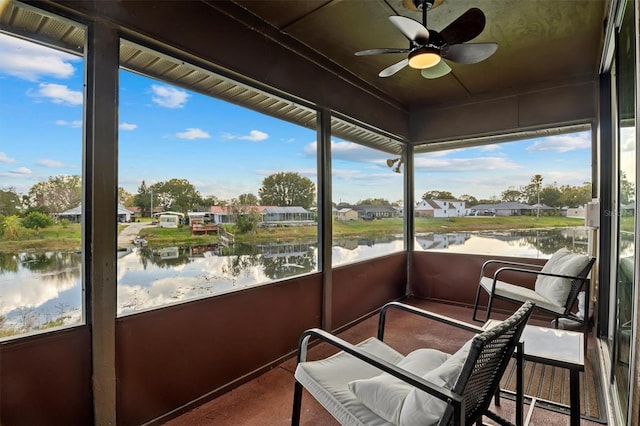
{"x":413,"y":30}
{"x":389,"y":71}
{"x":469,"y":53}
{"x":441,"y":69}
{"x":467,"y":27}
{"x":379,"y":51}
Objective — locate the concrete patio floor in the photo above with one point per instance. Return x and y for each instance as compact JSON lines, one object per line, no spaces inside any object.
{"x":267,"y":400}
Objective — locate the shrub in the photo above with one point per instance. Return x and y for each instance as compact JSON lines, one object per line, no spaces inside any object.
{"x":247,"y":223}
{"x":10,"y":227}
{"x":37,"y":220}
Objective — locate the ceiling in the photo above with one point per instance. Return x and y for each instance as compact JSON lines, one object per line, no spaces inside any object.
{"x":288,"y":58}
{"x":541,"y":43}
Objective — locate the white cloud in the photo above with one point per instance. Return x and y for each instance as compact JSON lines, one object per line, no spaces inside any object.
{"x":59,"y":94}
{"x":193,"y":133}
{"x":441,"y":164}
{"x":562,"y":143}
{"x":127,"y":126}
{"x":169,"y":97}
{"x":74,"y":124}
{"x":489,"y":148}
{"x":365,"y":178}
{"x":350,"y":151}
{"x":20,"y":171}
{"x":31,"y":61}
{"x":50,"y":163}
{"x":6,"y":159}
{"x":253,"y":136}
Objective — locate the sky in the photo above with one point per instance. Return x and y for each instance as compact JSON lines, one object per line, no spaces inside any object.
{"x":225,"y":150}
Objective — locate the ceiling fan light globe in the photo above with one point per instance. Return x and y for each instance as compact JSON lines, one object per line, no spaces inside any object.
{"x":424,"y":58}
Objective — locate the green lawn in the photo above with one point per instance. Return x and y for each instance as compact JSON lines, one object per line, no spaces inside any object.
{"x":479,"y":223}
{"x":56,"y":237}
{"x":59,"y":237}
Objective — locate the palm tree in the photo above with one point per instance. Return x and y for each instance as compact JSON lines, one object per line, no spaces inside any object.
{"x":537,"y":181}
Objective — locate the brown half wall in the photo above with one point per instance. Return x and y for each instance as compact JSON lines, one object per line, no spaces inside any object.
{"x":46,"y":379}
{"x":180,"y":355}
{"x":453,"y":277}
{"x":171,"y":359}
{"x":362,"y":288}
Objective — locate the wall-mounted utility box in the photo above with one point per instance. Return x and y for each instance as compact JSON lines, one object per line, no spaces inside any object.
{"x":592,"y":215}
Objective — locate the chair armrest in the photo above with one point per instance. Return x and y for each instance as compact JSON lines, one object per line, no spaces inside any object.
{"x":423,"y":313}
{"x":404,"y":375}
{"x":528,"y":271}
{"x":530,"y":266}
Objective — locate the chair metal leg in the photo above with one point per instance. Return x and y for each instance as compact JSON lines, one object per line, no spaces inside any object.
{"x":297,"y":404}
{"x":475,"y":305}
{"x":519,"y":383}
{"x":587,"y":316}
{"x":489,"y":306}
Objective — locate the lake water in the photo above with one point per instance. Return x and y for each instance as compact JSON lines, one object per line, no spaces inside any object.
{"x":44,"y":290}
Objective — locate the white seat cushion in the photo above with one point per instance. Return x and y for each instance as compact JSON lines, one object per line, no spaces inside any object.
{"x":521,"y":294}
{"x":384,"y":394}
{"x":327,"y":380}
{"x":562,"y":262}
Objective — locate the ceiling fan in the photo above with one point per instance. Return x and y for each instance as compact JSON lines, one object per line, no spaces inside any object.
{"x":428,"y":48}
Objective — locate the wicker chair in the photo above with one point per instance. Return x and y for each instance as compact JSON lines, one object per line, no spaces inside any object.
{"x":372,"y":384}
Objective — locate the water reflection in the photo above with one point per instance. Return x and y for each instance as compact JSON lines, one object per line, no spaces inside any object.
{"x":148,"y":278}
{"x":43,"y":290}
{"x":534,"y":243}
{"x":39,"y":290}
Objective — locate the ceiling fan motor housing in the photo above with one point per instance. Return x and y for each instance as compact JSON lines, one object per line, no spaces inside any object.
{"x":417,"y":5}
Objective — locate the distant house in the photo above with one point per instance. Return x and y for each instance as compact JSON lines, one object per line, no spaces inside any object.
{"x":221,"y":214}
{"x":346,"y":214}
{"x":369,"y":212}
{"x":135,"y":211}
{"x":196,"y":217}
{"x":288,"y":215}
{"x":500,"y":209}
{"x":75,"y":214}
{"x":440,"y":208}
{"x":168,"y":212}
{"x":269,"y":215}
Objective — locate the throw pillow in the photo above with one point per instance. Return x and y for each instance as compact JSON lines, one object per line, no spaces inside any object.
{"x":421,"y":408}
{"x":562,"y":262}
{"x":384,"y":394}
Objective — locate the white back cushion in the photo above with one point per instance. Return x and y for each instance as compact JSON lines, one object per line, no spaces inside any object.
{"x":421,"y":408}
{"x":562,"y":262}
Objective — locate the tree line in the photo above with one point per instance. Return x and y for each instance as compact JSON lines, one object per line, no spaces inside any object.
{"x":61,"y":193}
{"x":552,"y":195}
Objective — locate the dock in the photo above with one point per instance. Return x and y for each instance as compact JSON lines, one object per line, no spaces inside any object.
{"x":200,"y":228}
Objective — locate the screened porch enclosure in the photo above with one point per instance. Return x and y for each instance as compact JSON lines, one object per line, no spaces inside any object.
{"x":294,"y":62}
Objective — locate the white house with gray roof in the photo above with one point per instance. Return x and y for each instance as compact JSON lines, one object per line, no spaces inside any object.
{"x":75,"y":214}
{"x":440,"y":208}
